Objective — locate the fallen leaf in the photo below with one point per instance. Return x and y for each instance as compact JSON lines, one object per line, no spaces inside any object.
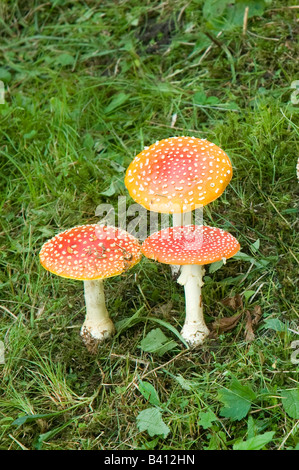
{"x":249,"y":333}
{"x":234,"y":303}
{"x":252,"y":319}
{"x":257,"y":314}
{"x":226,"y":323}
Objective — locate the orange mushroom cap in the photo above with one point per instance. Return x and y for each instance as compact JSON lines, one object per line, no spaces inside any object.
{"x":178,"y":174}
{"x":190,"y":244}
{"x":90,"y":252}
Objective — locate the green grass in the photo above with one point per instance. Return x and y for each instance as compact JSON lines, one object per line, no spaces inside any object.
{"x":87,"y":86}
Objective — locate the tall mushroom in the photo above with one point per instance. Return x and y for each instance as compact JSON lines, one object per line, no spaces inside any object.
{"x":191,"y":246}
{"x":92,"y":253}
{"x":177,"y":175}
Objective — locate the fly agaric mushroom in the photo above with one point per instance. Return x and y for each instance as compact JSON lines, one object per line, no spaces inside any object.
{"x":177,"y":175}
{"x":92,"y":253}
{"x":191,"y":246}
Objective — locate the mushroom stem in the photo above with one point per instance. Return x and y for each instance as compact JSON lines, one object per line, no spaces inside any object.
{"x":194,"y":330}
{"x":178,"y":220}
{"x":97,"y":325}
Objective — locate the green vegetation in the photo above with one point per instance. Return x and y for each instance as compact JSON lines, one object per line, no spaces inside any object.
{"x":87,"y":85}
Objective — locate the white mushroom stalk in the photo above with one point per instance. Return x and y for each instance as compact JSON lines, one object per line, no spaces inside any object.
{"x":186,"y":218}
{"x":194,"y":330}
{"x":97,"y":323}
{"x":179,"y":219}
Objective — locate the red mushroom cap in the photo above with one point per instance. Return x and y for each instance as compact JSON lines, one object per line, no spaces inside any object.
{"x":178,"y":174}
{"x":190,"y":244}
{"x":90,"y":252}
